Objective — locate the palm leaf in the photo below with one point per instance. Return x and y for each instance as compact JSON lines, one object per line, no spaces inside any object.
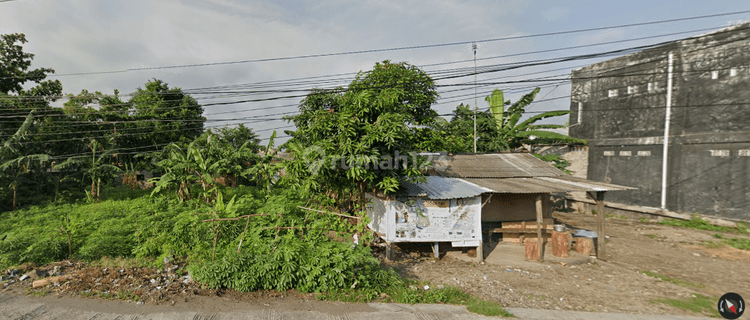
{"x":547,"y":126}
{"x":541,"y":116}
{"x":20,"y":133}
{"x":517,"y":109}
{"x":18,"y":161}
{"x":497,"y":106}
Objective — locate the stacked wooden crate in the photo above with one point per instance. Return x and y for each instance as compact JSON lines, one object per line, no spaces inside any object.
{"x":529,"y":226}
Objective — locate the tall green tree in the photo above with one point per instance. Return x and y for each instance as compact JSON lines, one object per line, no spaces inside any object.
{"x":340,"y":131}
{"x":168,"y":113}
{"x":24,"y":91}
{"x":15,"y":72}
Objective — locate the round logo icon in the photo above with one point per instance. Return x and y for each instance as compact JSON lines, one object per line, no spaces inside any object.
{"x":731,"y":306}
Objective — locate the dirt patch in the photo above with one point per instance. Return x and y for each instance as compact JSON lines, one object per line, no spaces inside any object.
{"x":615,"y":285}
{"x":145,"y":287}
{"x":729,"y":253}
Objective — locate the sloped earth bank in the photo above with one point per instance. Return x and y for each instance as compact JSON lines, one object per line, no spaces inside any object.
{"x":615,"y":285}
{"x":144,"y":287}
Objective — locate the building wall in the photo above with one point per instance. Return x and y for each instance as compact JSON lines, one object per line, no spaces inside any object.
{"x":513,"y":207}
{"x":576,"y":155}
{"x":619,"y":106}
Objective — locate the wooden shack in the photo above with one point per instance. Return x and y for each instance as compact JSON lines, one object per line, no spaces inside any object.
{"x":499,"y":193}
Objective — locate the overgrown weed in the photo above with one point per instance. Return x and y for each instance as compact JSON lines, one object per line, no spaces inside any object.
{"x":696,"y":222}
{"x":679,"y":282}
{"x":699,"y":304}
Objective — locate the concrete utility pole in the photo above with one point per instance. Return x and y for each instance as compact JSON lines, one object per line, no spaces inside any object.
{"x":665,"y":154}
{"x":474,"y":46}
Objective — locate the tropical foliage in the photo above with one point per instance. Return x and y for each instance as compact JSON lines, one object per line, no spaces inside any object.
{"x":343,"y":135}
{"x":501,"y":128}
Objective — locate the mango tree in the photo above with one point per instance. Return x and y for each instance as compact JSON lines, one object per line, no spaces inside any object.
{"x":350,"y":140}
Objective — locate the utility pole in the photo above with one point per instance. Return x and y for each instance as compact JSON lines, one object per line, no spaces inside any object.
{"x":665,"y":154}
{"x":474,"y":47}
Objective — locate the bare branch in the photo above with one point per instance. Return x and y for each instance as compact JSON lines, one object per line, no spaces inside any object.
{"x":338,"y":214}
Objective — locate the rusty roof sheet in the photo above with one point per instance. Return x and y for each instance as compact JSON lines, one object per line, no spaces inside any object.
{"x":441,"y":188}
{"x":544,"y":185}
{"x":494,"y":165}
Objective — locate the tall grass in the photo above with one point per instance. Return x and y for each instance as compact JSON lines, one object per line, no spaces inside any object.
{"x":287,"y":248}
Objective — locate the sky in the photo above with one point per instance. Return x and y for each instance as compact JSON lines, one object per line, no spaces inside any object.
{"x":91,"y":45}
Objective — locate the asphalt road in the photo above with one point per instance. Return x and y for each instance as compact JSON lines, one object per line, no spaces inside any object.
{"x":20,"y":307}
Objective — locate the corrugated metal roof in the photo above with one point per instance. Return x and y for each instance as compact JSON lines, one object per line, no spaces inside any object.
{"x":598,"y":186}
{"x":543,"y":185}
{"x":441,"y":188}
{"x":495,"y":165}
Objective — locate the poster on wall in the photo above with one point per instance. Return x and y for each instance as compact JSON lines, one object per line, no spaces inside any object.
{"x":417,"y":220}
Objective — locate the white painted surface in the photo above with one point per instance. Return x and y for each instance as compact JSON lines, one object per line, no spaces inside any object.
{"x":665,"y":155}
{"x":423,"y":220}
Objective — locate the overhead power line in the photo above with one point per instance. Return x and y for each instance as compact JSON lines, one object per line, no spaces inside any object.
{"x":447,"y":44}
{"x":494,"y":69}
{"x":256,"y":88}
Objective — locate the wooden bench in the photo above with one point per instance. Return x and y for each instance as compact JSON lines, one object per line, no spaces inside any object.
{"x":546,"y":233}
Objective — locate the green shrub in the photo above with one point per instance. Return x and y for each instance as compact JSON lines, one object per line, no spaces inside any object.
{"x":292,"y":263}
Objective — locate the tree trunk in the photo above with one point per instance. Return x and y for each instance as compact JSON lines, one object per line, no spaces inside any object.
{"x":362,"y":197}
{"x":13,"y":208}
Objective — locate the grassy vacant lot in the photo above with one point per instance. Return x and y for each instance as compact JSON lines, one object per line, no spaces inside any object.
{"x":281,"y":248}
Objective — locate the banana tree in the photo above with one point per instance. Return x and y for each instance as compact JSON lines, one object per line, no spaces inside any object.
{"x":205,"y":168}
{"x":17,"y":168}
{"x":177,"y":163}
{"x":265,"y":171}
{"x":16,"y":164}
{"x":511,"y":133}
{"x":94,"y":168}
